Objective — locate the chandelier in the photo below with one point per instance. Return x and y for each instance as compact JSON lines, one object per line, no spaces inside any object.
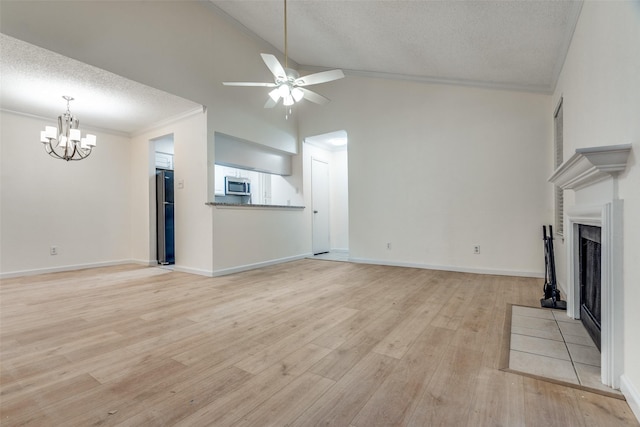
{"x":65,"y":141}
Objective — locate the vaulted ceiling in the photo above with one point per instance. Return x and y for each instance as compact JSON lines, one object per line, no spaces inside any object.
{"x":519,"y":44}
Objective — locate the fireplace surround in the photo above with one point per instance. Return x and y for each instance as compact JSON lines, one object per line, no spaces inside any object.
{"x":589,"y":267}
{"x":593,"y":174}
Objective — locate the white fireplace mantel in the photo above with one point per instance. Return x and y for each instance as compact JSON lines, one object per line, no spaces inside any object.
{"x":590,"y":165}
{"x":586,"y":167}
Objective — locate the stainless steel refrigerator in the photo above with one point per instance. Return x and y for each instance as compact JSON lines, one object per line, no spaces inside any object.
{"x":165,"y":223}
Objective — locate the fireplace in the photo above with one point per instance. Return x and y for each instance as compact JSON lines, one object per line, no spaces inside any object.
{"x":589,"y":268}
{"x":594,"y":230}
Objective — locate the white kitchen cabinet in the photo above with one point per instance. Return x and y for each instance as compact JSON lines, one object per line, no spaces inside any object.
{"x":260,"y":183}
{"x":220,"y":173}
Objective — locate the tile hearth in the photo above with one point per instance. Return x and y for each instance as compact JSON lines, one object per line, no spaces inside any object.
{"x":547,"y":343}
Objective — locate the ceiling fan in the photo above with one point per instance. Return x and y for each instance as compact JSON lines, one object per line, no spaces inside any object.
{"x":288,"y":86}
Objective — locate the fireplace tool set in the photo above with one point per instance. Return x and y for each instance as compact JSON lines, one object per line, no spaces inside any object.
{"x":551,"y":293}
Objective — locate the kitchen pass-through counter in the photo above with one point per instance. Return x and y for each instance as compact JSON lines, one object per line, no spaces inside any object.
{"x":252,"y":206}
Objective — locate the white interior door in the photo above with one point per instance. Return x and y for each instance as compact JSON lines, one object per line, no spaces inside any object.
{"x":320,"y":205}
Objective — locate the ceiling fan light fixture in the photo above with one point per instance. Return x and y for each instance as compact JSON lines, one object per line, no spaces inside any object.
{"x":297,"y":94}
{"x":288,"y":101}
{"x":275,"y":94}
{"x":288,"y":85}
{"x":284,"y":90}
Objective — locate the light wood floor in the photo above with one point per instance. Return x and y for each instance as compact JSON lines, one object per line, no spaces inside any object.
{"x":304,"y":343}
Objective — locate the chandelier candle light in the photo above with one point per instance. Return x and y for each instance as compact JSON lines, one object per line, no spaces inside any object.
{"x":65,"y":141}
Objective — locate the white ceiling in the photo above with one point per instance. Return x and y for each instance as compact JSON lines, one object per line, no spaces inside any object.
{"x":513,"y":44}
{"x":35,"y":79}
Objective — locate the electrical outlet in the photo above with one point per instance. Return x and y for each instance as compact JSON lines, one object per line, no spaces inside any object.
{"x":389,"y":246}
{"x":53,"y":250}
{"x":476,"y":249}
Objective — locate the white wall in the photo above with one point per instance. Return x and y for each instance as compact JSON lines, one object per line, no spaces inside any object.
{"x":186,"y":49}
{"x":285,"y":191}
{"x":142,"y":201}
{"x":80,"y":207}
{"x":245,"y":237}
{"x":600,"y":83}
{"x":339,"y":200}
{"x":436,"y":169}
{"x":193,"y":227}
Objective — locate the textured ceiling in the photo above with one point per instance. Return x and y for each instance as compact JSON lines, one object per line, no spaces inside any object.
{"x":35,"y":79}
{"x":517,"y":44}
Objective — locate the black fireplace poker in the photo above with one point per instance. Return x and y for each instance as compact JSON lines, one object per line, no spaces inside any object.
{"x":551,"y":292}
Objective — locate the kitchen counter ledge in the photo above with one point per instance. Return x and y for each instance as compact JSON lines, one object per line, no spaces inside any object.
{"x":251,"y":206}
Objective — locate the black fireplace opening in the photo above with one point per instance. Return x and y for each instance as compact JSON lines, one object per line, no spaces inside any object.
{"x":590,"y":279}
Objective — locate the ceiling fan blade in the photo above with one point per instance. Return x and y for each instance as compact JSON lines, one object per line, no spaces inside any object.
{"x":270,"y":103}
{"x":310,"y":95}
{"x":249,"y":84}
{"x":321,"y":77}
{"x":274,"y":65}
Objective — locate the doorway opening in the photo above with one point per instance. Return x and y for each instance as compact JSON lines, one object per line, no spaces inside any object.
{"x":327,"y":157}
{"x":165,"y":211}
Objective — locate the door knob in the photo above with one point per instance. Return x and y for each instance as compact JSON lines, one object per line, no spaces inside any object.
{"x":315,"y":211}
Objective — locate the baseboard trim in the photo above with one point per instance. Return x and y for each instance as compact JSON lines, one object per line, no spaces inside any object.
{"x":516,"y":273}
{"x":339,"y":250}
{"x":197,"y":271}
{"x":246,"y":267}
{"x":632,"y":395}
{"x":148,"y":263}
{"x":64,"y":268}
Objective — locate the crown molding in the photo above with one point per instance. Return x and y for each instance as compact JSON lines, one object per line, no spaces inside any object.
{"x":169,"y":120}
{"x":515,"y":87}
{"x":84,"y":126}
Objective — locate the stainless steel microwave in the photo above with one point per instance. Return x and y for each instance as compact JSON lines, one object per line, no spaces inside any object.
{"x":234,"y":186}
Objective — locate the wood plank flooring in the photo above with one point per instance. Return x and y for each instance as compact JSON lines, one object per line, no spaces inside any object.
{"x":304,"y":343}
